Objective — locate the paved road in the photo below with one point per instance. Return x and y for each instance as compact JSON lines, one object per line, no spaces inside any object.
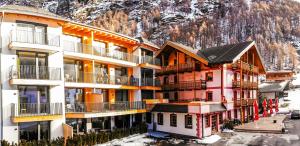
{"x":293,"y":127}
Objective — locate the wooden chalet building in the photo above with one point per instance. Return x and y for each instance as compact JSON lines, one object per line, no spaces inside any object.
{"x":205,"y":87}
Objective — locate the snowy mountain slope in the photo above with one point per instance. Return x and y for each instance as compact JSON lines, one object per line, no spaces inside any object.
{"x":273,"y":24}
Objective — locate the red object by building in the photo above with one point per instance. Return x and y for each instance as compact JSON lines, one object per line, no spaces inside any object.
{"x":265,"y":113}
{"x":276,"y":105}
{"x":255,"y":105}
{"x":271,"y":106}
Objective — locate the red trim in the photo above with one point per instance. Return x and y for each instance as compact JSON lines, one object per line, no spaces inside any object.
{"x":222,"y":86}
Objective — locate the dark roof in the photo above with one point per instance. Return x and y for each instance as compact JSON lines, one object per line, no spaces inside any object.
{"x":273,"y":87}
{"x":170,"y":108}
{"x":223,"y":54}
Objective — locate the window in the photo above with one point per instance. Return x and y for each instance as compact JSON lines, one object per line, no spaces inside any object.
{"x":148,"y":117}
{"x":221,"y":118}
{"x":189,"y":121}
{"x":229,"y":115}
{"x":173,"y":120}
{"x":207,"y":121}
{"x":209,"y":76}
{"x":209,"y":96}
{"x":160,"y":119}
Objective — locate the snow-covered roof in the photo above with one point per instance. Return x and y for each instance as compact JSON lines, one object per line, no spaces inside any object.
{"x":30,"y":11}
{"x":273,"y":86}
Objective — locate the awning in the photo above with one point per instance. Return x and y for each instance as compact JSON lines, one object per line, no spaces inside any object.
{"x":216,"y":108}
{"x":172,"y":108}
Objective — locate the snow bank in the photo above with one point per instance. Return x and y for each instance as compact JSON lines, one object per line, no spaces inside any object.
{"x":209,"y":140}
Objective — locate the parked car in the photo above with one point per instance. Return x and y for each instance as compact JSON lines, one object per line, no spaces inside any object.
{"x":295,"y":114}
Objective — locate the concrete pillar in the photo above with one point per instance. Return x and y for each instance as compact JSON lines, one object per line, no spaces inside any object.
{"x":112,"y":123}
{"x":88,"y":124}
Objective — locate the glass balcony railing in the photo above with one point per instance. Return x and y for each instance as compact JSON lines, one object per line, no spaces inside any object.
{"x":150,"y":60}
{"x":33,"y":37}
{"x":150,"y":82}
{"x":105,"y":106}
{"x":35,"y":109}
{"x":89,"y":77}
{"x":34,"y":72}
{"x":98,"y":51}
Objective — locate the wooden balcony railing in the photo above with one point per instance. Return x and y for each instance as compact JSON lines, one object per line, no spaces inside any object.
{"x":176,"y":68}
{"x":244,"y":66}
{"x":186,"y":85}
{"x":236,"y":83}
{"x":243,"y":102}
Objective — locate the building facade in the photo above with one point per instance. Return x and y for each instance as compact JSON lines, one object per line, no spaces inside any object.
{"x":205,"y":87}
{"x":57,"y":73}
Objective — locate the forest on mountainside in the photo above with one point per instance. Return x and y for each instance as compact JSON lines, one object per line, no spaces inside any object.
{"x":273,"y":24}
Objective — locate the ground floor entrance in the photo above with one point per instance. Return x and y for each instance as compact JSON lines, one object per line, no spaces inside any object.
{"x":34,"y":131}
{"x":99,"y":124}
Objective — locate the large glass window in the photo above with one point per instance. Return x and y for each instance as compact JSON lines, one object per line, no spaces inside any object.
{"x":122,"y":95}
{"x":31,"y":33}
{"x":33,"y":65}
{"x":101,"y":71}
{"x":34,"y":130}
{"x":74,"y":99}
{"x":33,"y":99}
{"x":73,"y":70}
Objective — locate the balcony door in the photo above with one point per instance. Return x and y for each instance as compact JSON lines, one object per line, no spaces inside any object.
{"x":31,"y":33}
{"x":33,"y":100}
{"x":33,"y":65}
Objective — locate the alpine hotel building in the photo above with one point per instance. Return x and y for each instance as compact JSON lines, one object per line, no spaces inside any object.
{"x":58,"y":75}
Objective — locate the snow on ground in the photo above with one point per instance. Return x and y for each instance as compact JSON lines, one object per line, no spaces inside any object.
{"x":133,"y":140}
{"x":293,"y":98}
{"x":209,"y":140}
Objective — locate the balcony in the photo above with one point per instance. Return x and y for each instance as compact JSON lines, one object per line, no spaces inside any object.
{"x":180,"y":68}
{"x":150,"y":84}
{"x":253,"y":85}
{"x":186,"y":85}
{"x":34,"y":75}
{"x":88,"y":110}
{"x":244,"y":102}
{"x":34,"y":41}
{"x":29,"y":112}
{"x":96,"y":80}
{"x":236,"y":83}
{"x":245,"y":67}
{"x":150,"y":62}
{"x":104,"y":55}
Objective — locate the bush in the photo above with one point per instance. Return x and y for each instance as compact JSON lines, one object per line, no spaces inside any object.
{"x":230,"y":124}
{"x":83,"y":140}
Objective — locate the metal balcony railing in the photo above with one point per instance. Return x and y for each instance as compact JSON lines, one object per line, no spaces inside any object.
{"x":35,"y":109}
{"x":148,"y":81}
{"x":34,"y":72}
{"x":97,"y":78}
{"x":150,"y":60}
{"x":98,"y":51}
{"x":105,"y":106}
{"x":33,"y":37}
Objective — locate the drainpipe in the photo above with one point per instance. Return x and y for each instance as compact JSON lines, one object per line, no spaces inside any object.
{"x":222,"y":83}
{"x":1,"y":129}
